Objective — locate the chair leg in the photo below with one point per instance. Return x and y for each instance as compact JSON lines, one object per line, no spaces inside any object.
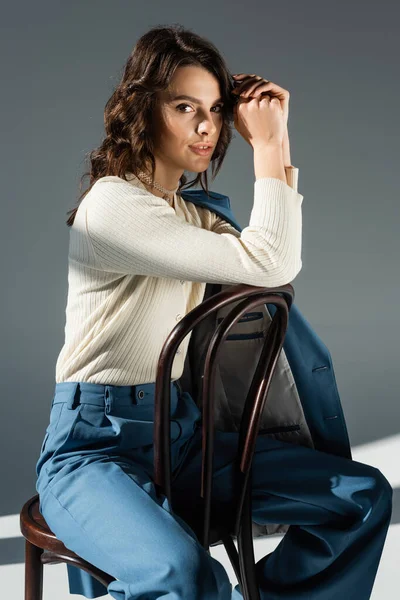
{"x":233,"y":556}
{"x":33,"y":572}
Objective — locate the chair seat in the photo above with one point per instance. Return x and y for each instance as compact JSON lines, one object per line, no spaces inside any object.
{"x":36,"y":531}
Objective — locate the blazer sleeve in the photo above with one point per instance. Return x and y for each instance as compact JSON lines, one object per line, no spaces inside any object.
{"x":135,"y":232}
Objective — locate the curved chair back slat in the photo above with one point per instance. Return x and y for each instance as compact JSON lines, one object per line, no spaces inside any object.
{"x":249,"y":296}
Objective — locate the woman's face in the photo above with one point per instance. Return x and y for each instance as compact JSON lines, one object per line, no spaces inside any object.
{"x":182,"y":122}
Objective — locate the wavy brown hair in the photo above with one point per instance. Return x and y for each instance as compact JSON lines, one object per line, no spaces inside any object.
{"x":129,"y":142}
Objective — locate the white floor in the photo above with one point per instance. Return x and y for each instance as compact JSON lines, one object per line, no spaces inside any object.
{"x":379,"y":454}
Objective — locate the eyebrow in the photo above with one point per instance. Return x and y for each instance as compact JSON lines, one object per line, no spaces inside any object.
{"x":191,"y":98}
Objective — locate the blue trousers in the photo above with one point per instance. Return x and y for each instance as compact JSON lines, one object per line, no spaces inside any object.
{"x":97,"y":495}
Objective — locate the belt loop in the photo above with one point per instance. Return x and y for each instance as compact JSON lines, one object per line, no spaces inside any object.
{"x":108,"y":398}
{"x":133,"y":394}
{"x":74,"y":396}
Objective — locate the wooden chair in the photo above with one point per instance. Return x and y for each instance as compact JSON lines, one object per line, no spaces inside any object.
{"x":43,"y":547}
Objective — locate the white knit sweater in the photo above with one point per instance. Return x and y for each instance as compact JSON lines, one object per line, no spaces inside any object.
{"x":137,"y":264}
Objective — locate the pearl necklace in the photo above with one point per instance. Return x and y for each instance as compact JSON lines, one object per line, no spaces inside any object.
{"x":147,"y":179}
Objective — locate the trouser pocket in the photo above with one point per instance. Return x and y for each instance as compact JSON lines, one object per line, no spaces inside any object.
{"x":55,"y":414}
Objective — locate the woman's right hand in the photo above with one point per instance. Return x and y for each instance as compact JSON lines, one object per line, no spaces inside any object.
{"x":259,"y":118}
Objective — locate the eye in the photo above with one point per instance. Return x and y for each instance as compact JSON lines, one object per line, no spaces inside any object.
{"x":179,"y":105}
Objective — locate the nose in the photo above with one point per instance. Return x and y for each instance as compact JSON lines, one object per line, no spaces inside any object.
{"x":207,"y":126}
{"x":209,"y":131}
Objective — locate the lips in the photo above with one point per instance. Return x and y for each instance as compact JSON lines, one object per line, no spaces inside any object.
{"x":199,"y":145}
{"x":201,"y":152}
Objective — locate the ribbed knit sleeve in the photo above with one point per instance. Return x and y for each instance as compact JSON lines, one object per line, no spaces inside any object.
{"x":219,"y":225}
{"x":135,"y":232}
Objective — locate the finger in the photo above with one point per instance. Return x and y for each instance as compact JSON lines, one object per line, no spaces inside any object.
{"x":271,"y":90}
{"x":255,"y":89}
{"x":250,"y":87}
{"x":240,"y":76}
{"x":245,"y":85}
{"x":244,"y":78}
{"x":275,"y":90}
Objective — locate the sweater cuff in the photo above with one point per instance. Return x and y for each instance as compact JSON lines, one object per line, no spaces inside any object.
{"x":273,"y":199}
{"x":292,"y":176}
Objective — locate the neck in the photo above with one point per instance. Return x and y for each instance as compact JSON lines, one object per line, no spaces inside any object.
{"x":155,"y":188}
{"x":166,"y":176}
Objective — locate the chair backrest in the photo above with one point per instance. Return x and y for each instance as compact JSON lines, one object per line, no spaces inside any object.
{"x":245,"y":297}
{"x":36,"y":531}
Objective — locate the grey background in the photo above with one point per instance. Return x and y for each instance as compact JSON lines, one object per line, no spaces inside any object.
{"x":60,"y":63}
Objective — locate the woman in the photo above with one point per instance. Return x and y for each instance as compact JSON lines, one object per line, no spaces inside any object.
{"x":140,"y":257}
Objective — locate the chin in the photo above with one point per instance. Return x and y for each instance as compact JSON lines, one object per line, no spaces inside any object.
{"x":195,"y":168}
